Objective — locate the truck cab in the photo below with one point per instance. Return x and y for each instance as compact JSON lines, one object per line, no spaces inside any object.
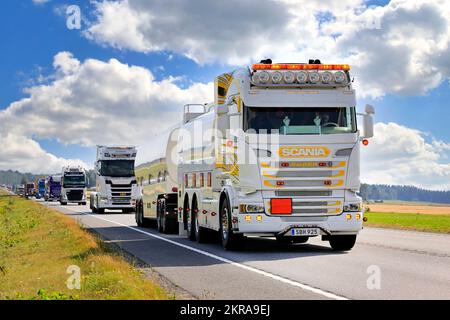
{"x":283,"y":159}
{"x":40,"y":189}
{"x":52,"y":188}
{"x":73,"y":185}
{"x":116,"y":185}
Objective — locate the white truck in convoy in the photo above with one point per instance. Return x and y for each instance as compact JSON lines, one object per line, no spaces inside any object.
{"x":116,"y":187}
{"x":73,"y":185}
{"x":277,"y":154}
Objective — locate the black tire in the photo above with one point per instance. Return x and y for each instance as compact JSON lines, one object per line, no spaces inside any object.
{"x":99,"y":210}
{"x":191,"y":225}
{"x":229,"y":239}
{"x":167,"y":224}
{"x":200,"y":232}
{"x":159,"y":223}
{"x":137,"y":216}
{"x":140,"y":219}
{"x":342,"y":243}
{"x":91,"y":204}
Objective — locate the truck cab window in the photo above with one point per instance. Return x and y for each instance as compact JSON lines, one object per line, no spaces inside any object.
{"x":289,"y":121}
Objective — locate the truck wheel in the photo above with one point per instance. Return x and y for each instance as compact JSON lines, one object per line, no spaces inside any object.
{"x":165,"y":223}
{"x":342,"y":243}
{"x":189,"y":223}
{"x":98,"y":209}
{"x":91,"y":204}
{"x":191,"y":226}
{"x":140,"y":219}
{"x":229,"y":239}
{"x":200,"y":232}
{"x":137,"y":216}
{"x":159,"y":225}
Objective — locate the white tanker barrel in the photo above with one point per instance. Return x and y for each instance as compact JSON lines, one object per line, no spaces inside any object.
{"x":172,"y":156}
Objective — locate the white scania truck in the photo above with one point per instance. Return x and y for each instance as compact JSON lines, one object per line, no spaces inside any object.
{"x":116,"y":186}
{"x":277,"y":154}
{"x":73,"y":185}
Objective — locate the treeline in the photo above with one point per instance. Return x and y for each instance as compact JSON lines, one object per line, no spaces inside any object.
{"x":368,"y":191}
{"x":403,"y":193}
{"x":10,"y":177}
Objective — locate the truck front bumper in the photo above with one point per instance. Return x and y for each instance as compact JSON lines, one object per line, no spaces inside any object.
{"x":108,"y":204}
{"x":277,"y":225}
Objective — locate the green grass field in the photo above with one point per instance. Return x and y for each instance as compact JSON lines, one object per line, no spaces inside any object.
{"x":409,"y":221}
{"x":38,"y":244}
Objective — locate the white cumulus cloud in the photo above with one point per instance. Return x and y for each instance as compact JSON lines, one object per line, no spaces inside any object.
{"x":95,"y":102}
{"x":403,"y":156}
{"x":26,"y":155}
{"x":402,"y":47}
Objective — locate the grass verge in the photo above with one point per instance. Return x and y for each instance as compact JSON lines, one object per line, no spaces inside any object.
{"x":38,"y":245}
{"x":409,"y":221}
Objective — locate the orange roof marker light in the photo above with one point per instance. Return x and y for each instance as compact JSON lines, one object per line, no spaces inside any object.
{"x":300,"y":66}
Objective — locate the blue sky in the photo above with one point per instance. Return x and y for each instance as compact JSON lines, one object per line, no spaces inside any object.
{"x":34,"y":33}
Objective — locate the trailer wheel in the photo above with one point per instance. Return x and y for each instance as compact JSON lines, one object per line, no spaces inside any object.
{"x":91,"y":204}
{"x":167,"y":226}
{"x":200,"y":232}
{"x":342,"y":243}
{"x":229,"y":239}
{"x":140,"y":219}
{"x":137,"y":216}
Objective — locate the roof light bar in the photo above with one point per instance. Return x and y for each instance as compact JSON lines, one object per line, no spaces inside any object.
{"x":299,"y":66}
{"x":299,"y":78}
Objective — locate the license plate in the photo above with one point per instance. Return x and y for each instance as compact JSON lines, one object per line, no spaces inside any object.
{"x":305,"y":232}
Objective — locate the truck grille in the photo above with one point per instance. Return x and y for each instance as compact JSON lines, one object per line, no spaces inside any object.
{"x":121,"y":194}
{"x":74,"y":195}
{"x":308,"y":183}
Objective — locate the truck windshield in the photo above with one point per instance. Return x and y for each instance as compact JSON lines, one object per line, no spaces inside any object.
{"x":117,"y":168}
{"x":296,"y":121}
{"x":74,"y":180}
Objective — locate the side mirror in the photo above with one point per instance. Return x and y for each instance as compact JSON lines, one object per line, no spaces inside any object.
{"x":222,"y":109}
{"x":368,"y":126}
{"x":370,"y":109}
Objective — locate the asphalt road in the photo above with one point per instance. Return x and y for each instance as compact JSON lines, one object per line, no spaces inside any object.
{"x":384,"y":264}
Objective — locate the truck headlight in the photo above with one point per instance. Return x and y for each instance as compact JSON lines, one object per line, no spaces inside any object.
{"x":251,"y":208}
{"x":352,"y":207}
{"x":343,"y":152}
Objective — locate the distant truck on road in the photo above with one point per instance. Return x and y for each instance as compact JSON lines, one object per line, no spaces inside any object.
{"x":52,"y":188}
{"x":73,"y":185}
{"x":116,"y":185}
{"x":29,"y":190}
{"x":20,"y":190}
{"x":40,"y":189}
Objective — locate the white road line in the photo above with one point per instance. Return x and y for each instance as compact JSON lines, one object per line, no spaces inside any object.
{"x":236,"y":264}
